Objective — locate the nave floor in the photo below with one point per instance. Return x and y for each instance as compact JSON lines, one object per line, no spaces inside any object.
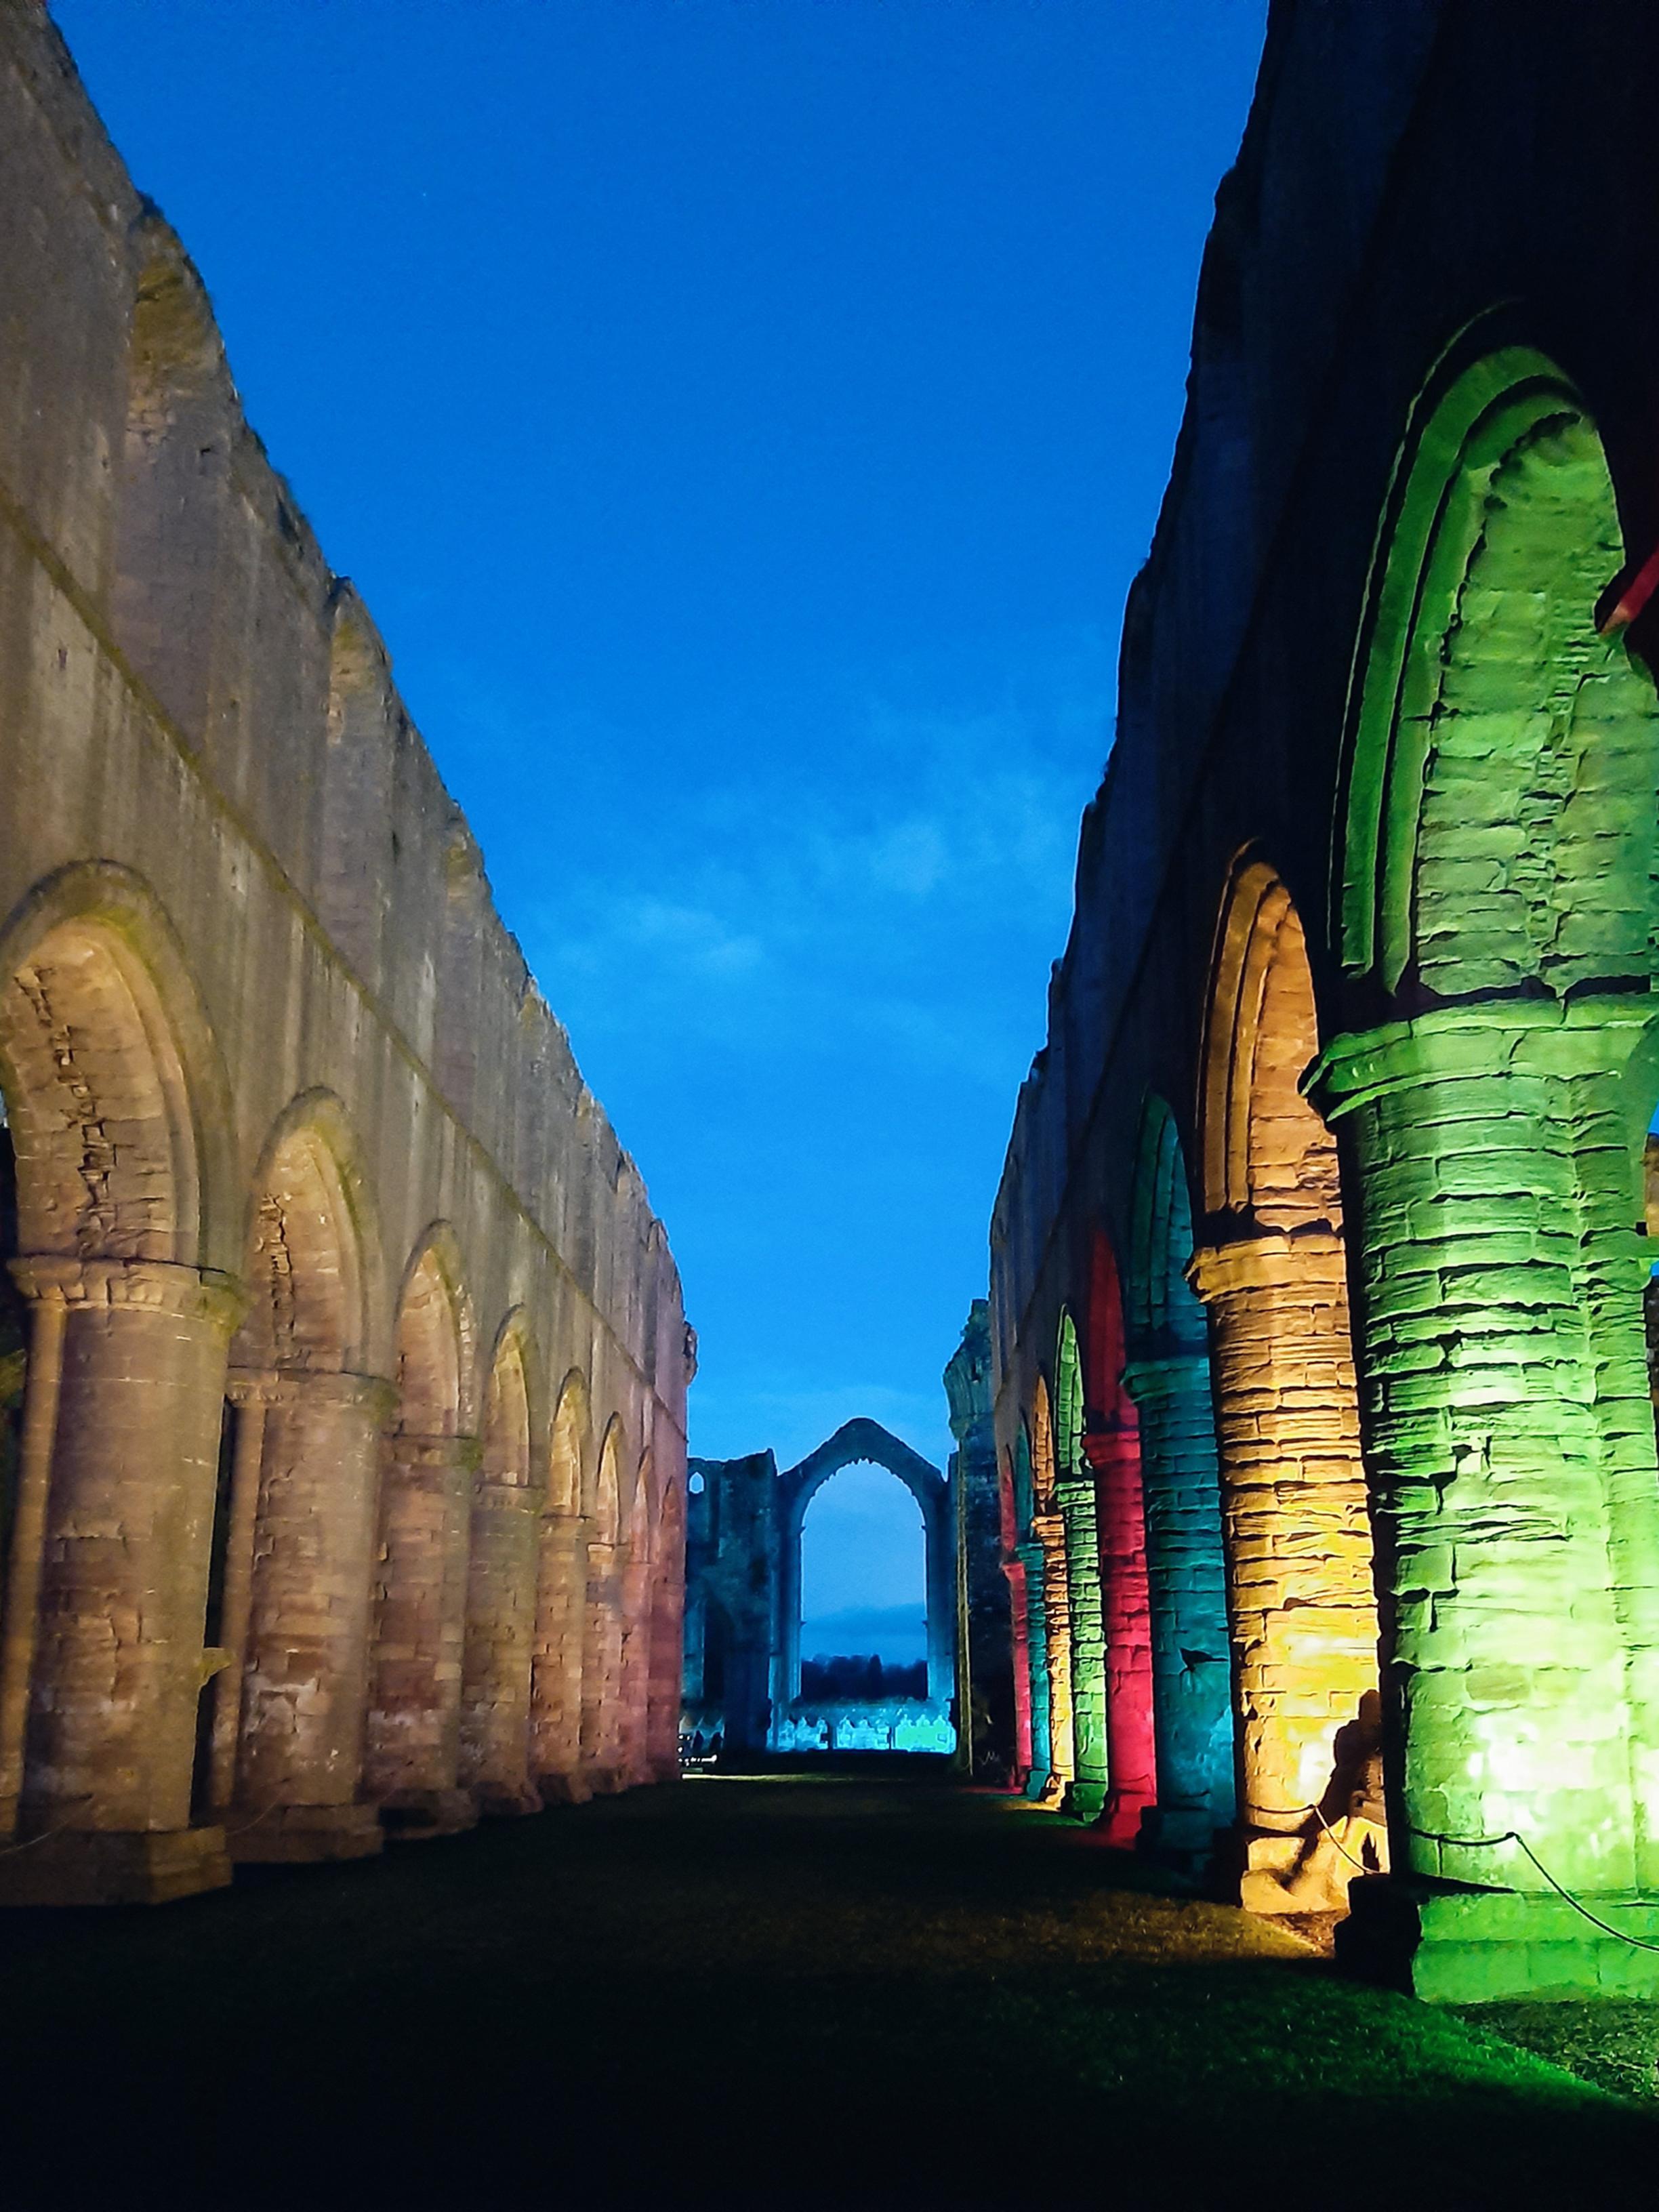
{"x":793,"y":1990}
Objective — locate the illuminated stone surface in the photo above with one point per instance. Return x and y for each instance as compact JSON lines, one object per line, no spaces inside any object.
{"x":314,"y":1210}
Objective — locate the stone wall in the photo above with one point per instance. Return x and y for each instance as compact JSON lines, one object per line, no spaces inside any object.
{"x":1353,"y":1037}
{"x":294,"y":1133}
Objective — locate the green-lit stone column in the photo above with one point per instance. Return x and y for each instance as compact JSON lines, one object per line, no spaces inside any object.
{"x":1510,"y":1438}
{"x":1039,"y":1781}
{"x":1074,"y":1495}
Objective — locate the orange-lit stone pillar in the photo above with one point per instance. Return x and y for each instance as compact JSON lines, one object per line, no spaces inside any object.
{"x":304,"y":1636}
{"x":555,"y":1690}
{"x":118,"y":1480}
{"x":1301,"y":1605}
{"x":501,"y":1636}
{"x":413,"y":1757}
{"x":634,"y":1670}
{"x":601,"y":1766}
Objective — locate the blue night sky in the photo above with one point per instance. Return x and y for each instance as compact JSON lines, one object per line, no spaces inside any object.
{"x":744,"y":418}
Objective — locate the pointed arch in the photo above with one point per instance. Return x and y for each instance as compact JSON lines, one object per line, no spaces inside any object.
{"x":1274,"y":1273}
{"x":435,"y":1341}
{"x":566,"y":1445}
{"x":1168,"y":1375}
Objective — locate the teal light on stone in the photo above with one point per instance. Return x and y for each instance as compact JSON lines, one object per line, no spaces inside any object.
{"x":1168,"y":1377}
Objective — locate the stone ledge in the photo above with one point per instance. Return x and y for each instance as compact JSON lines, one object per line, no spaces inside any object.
{"x":305,"y":1835}
{"x":1459,"y":1945}
{"x":92,"y":1866}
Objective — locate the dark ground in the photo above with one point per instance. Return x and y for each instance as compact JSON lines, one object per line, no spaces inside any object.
{"x":795,"y":1991}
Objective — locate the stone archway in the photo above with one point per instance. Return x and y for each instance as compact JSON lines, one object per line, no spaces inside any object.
{"x":412,"y":1760}
{"x":290,"y":1604}
{"x":501,"y":1590}
{"x":856,"y":1441}
{"x":1273,"y":1271}
{"x":102,"y":1661}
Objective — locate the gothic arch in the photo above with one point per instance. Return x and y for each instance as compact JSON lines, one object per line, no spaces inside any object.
{"x":855,"y":1440}
{"x":1500,"y":855}
{"x":1168,"y":1375}
{"x":1274,"y":1273}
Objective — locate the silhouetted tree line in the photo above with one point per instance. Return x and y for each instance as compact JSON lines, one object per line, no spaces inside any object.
{"x":859,"y":1680}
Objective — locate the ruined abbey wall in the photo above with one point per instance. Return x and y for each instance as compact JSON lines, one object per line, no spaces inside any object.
{"x":1351,"y":1050}
{"x":295,"y":1133}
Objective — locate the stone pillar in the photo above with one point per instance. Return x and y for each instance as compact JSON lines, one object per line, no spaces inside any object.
{"x":303,"y":1675}
{"x":120,"y":1467}
{"x":1192,"y":1702}
{"x":1510,"y":1441}
{"x":662,"y":1727}
{"x":1074,"y":1499}
{"x":1114,"y":1455}
{"x":555,"y":1681}
{"x":633,"y":1671}
{"x":1049,"y":1530}
{"x":1039,"y":1780}
{"x":410,"y":1769}
{"x":1019,"y":1620}
{"x":601,"y":1708}
{"x":500,"y":1639}
{"x":1296,"y":1538}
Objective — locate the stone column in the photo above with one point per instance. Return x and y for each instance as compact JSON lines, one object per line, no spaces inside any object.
{"x":501,"y":1636}
{"x":1039,"y":1781}
{"x":1191,"y":1700}
{"x":662,"y":1728}
{"x":1510,"y":1441}
{"x":1074,"y":1499}
{"x":601,"y":1707}
{"x":1114,"y":1455}
{"x":634,"y":1673}
{"x":1297,"y":1536}
{"x":1024,"y":1751}
{"x":556,"y":1684}
{"x":1049,"y":1530}
{"x":120,"y":1469}
{"x":410,"y":1769}
{"x":304,"y":1674}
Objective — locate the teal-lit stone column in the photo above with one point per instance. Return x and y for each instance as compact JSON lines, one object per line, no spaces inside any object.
{"x":1192,"y":1699}
{"x":1510,"y":1438}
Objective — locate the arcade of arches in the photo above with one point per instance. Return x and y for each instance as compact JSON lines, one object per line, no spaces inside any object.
{"x":343,"y":1365}
{"x":1326,"y":1451}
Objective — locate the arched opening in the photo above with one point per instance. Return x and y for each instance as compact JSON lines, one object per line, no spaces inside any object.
{"x":555,"y":1692}
{"x":863,"y":1593}
{"x":501,"y":1593}
{"x":1111,"y":1447}
{"x":1273,"y":1271}
{"x":297,"y":1565}
{"x":109,"y":1552}
{"x":897,"y":1692}
{"x":1498,"y":926}
{"x":1168,"y":1375}
{"x":413,"y":1753}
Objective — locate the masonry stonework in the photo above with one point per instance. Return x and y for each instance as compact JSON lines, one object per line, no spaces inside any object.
{"x":1353,"y":1052}
{"x":341,"y":1301}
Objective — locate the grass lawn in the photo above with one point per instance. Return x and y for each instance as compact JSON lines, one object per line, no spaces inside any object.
{"x":796,"y":1990}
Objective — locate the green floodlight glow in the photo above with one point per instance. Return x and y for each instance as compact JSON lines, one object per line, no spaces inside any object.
{"x":1500,"y":875}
